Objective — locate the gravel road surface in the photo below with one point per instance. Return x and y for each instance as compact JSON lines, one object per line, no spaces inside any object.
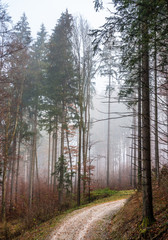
{"x":81,"y":224}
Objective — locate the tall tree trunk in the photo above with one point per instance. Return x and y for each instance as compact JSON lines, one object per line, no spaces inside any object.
{"x":132,"y":157}
{"x":17,"y":167}
{"x":85,"y":145}
{"x":139,"y":124}
{"x":156,"y":113}
{"x":60,"y":190}
{"x":135,"y":149}
{"x":119,"y":167}
{"x":84,"y":153}
{"x":88,"y":120}
{"x":89,"y":182}
{"x":37,"y":175}
{"x":108,"y":134}
{"x":76,"y":163}
{"x":70,"y":159}
{"x":9,"y":173}
{"x":49,"y":151}
{"x":79,"y":154}
{"x":86,"y":131}
{"x":147,"y":184}
{"x":33,"y":158}
{"x":37,"y":171}
{"x":55,"y":157}
{"x":139,"y":131}
{"x":5,"y":162}
{"x":167,"y":119}
{"x":13,"y":171}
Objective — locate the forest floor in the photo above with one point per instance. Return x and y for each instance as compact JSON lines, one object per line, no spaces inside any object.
{"x":127,"y":223}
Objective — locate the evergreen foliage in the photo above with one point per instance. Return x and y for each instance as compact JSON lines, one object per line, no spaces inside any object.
{"x":65,"y":178}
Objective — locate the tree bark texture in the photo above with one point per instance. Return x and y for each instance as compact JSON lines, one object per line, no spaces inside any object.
{"x":147,"y":184}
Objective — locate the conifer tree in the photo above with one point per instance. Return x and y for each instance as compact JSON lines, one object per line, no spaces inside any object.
{"x":61,"y":84}
{"x":33,"y":93}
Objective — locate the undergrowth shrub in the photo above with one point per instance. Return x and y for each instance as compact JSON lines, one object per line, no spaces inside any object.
{"x":44,"y":205}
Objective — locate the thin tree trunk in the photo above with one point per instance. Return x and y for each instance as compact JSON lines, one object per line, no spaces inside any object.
{"x":79,"y":159}
{"x":13,"y":171}
{"x":135,"y":148}
{"x":86,"y":132}
{"x":37,"y":176}
{"x":167,"y":120}
{"x":79,"y":168}
{"x":85,"y":145}
{"x":55,"y":159}
{"x":75,"y":186}
{"x":156,"y":114}
{"x":108,"y":134}
{"x":9,"y":171}
{"x":132,"y":147}
{"x":17,"y":168}
{"x":139,"y":118}
{"x":84,"y":155}
{"x":52,"y":162}
{"x":139,"y":131}
{"x":60,"y":190}
{"x":37,"y":172}
{"x":31,"y":176}
{"x":33,"y":160}
{"x":89,"y":183}
{"x":5,"y":162}
{"x":119,"y":167}
{"x":70,"y":159}
{"x":49,"y":151}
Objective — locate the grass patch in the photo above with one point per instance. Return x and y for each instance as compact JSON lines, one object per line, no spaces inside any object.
{"x":107,"y":195}
{"x":102,"y":193}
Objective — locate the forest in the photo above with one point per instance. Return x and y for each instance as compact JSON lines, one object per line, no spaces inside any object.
{"x":59,"y":139}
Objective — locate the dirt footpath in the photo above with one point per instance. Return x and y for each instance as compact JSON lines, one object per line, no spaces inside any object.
{"x":87,"y":223}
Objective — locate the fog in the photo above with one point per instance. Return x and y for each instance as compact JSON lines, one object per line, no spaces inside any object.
{"x":120,"y":139}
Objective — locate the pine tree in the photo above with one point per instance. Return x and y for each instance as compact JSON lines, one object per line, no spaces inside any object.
{"x":33,"y":93}
{"x":61,"y":85}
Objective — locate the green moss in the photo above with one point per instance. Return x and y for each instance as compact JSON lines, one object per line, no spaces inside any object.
{"x":145,"y":222}
{"x":144,"y":226}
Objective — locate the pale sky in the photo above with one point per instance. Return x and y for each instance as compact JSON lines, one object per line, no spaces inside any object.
{"x":49,"y":11}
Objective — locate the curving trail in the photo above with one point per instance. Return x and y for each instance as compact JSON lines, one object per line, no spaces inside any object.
{"x":81,"y":223}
